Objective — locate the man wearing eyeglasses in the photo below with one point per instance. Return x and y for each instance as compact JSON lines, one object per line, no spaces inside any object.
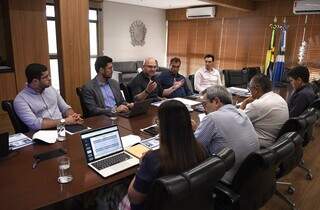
{"x":145,"y":86}
{"x":172,"y":80}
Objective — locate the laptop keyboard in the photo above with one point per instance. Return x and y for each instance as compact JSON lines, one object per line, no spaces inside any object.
{"x":104,"y":163}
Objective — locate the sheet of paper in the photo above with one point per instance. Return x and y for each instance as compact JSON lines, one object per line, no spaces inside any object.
{"x":19,"y":140}
{"x":129,"y":140}
{"x":48,"y":136}
{"x":239,"y":91}
{"x":185,"y":101}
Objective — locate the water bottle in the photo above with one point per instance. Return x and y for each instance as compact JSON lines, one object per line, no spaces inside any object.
{"x":61,"y":129}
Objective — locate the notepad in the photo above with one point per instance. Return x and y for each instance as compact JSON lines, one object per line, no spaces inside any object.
{"x":48,"y":136}
{"x":137,"y":150}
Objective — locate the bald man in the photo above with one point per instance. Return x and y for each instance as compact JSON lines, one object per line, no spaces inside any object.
{"x":144,"y":85}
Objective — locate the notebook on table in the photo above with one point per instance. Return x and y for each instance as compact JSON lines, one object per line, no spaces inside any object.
{"x":138,"y":108}
{"x":104,"y":151}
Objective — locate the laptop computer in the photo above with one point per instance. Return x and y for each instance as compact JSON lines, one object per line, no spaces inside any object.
{"x":138,"y":108}
{"x":104,"y":151}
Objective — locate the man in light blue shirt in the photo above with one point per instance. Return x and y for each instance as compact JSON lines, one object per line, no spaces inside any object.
{"x":39,"y":105}
{"x":226,"y":126}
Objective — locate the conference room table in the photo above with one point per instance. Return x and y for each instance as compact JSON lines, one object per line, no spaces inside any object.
{"x":22,"y":187}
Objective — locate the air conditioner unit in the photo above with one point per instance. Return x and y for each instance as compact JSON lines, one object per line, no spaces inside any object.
{"x":201,"y":12}
{"x":301,"y":7}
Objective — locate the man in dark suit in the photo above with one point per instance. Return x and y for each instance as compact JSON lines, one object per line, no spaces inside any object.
{"x":102,"y":94}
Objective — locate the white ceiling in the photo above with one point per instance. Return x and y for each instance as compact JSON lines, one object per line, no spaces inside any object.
{"x":163,"y":4}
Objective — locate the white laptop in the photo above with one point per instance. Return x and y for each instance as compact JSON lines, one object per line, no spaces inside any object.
{"x":104,"y":151}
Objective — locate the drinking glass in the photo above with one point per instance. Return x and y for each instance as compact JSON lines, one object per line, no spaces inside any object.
{"x":64,"y":168}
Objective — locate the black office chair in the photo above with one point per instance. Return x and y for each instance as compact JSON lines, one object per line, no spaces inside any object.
{"x":235,"y":78}
{"x":255,"y":181}
{"x":303,"y":124}
{"x":286,"y":165}
{"x":126,"y":92}
{"x":85,"y":111}
{"x":191,"y":78}
{"x":315,"y":104}
{"x":316,"y":87}
{"x":252,"y":71}
{"x":18,"y":125}
{"x":192,"y":189}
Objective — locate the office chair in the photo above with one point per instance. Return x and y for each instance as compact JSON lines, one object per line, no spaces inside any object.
{"x":255,"y":181}
{"x":316,"y":87}
{"x":286,"y":165}
{"x":191,"y":78}
{"x":252,"y":71}
{"x":315,"y":104}
{"x":235,"y":78}
{"x":303,"y":125}
{"x":18,"y":125}
{"x":126,"y":92}
{"x":85,"y":111}
{"x":192,"y":189}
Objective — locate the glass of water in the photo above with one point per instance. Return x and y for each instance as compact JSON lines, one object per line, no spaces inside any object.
{"x":113,"y":113}
{"x":64,"y":168}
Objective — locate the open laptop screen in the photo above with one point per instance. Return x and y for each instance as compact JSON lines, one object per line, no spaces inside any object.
{"x":101,"y":143}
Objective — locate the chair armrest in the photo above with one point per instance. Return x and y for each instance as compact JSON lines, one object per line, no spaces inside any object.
{"x":224,"y":192}
{"x":117,"y":75}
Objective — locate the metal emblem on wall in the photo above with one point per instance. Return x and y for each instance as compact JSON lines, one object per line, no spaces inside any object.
{"x":138,"y":33}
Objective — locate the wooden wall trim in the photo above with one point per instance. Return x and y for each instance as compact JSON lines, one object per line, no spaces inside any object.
{"x":73,"y":39}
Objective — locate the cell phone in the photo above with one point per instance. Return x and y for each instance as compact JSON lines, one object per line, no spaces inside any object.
{"x":151,"y":130}
{"x":49,"y":155}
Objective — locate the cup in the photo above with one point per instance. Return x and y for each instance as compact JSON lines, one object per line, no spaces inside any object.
{"x":64,"y":168}
{"x":61,"y":130}
{"x":113,"y":113}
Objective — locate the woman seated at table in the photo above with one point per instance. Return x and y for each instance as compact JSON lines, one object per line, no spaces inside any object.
{"x":178,"y":151}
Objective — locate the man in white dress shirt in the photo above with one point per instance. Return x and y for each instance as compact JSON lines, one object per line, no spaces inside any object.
{"x":267,"y":110}
{"x":207,"y":75}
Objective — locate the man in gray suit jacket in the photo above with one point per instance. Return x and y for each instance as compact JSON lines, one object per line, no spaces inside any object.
{"x":102,"y":94}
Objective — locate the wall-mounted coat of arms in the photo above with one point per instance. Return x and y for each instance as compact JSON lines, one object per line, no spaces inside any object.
{"x":138,"y":33}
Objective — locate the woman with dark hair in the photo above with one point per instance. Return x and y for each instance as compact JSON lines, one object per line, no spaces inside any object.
{"x":179,"y":151}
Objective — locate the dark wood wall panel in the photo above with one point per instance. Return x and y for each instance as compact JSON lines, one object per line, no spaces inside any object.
{"x":239,"y":39}
{"x":73,"y":37}
{"x":29,"y":36}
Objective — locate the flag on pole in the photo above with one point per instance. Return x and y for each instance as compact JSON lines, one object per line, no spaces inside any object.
{"x":270,"y":52}
{"x":280,"y":59}
{"x":302,"y":48}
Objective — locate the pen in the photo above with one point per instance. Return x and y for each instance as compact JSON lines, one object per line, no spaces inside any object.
{"x":35,"y":162}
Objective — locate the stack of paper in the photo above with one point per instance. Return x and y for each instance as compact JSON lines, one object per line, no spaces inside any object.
{"x":19,"y":140}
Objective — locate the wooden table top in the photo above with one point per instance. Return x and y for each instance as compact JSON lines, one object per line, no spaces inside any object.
{"x":25,"y":188}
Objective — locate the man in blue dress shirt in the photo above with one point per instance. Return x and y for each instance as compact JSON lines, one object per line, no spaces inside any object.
{"x":172,"y":79}
{"x":39,"y":105}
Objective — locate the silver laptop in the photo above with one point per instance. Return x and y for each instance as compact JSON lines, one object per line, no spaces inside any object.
{"x":104,"y":151}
